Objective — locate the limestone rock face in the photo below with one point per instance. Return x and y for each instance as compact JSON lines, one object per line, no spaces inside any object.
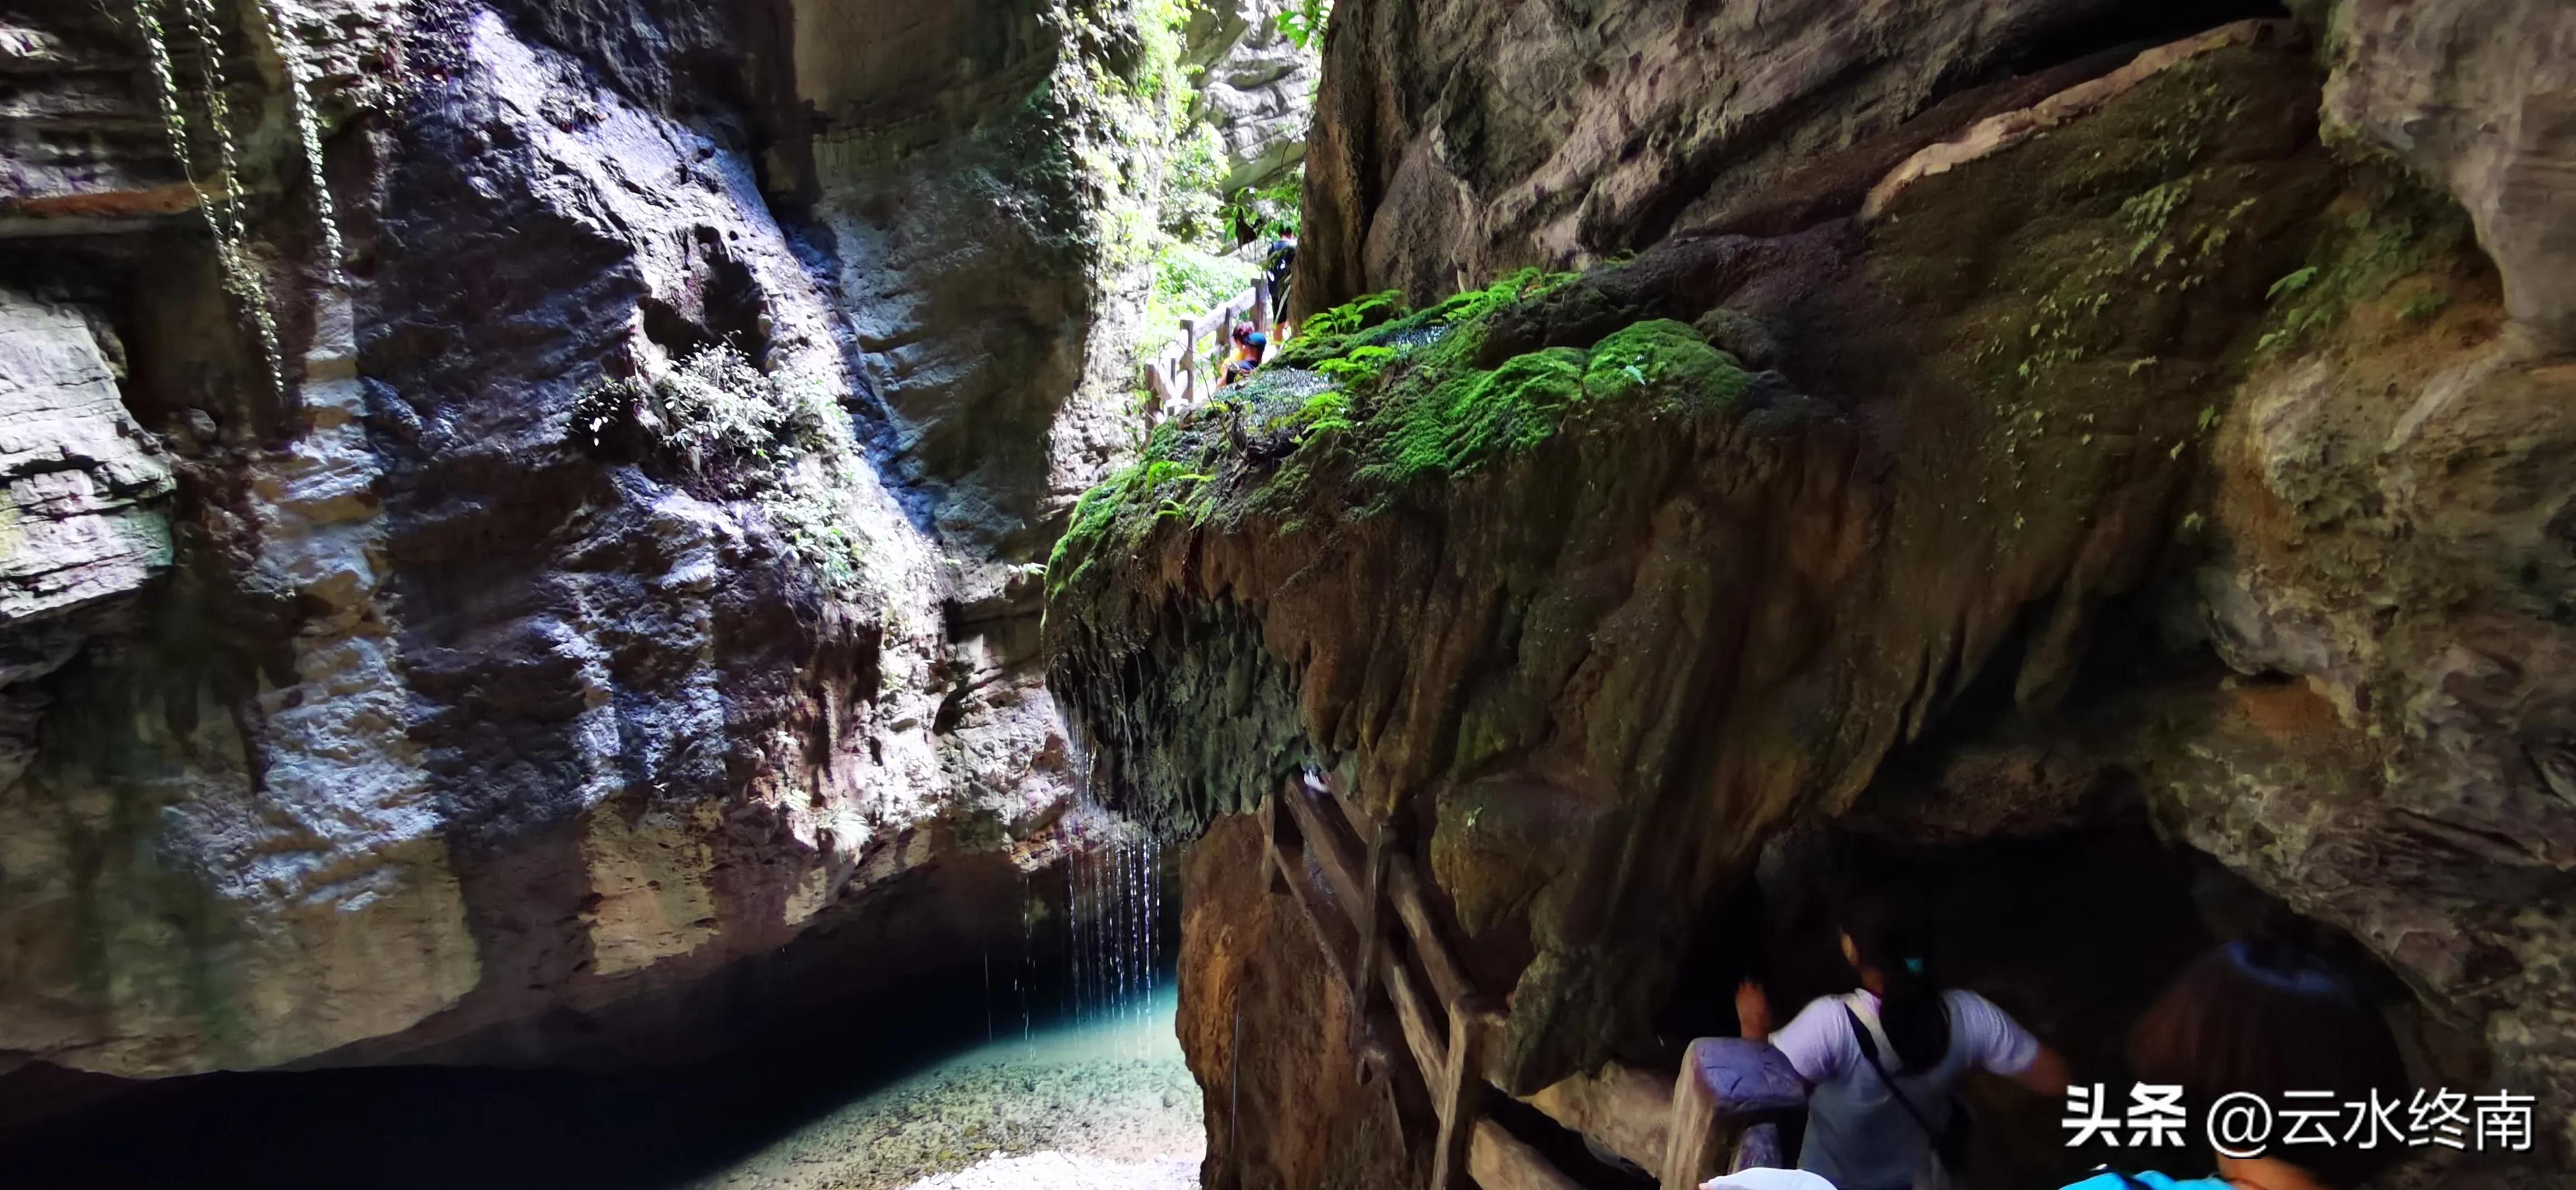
{"x":83,"y":144}
{"x":616,"y":563}
{"x":2114,"y":436}
{"x":80,"y":475}
{"x":2484,"y":98}
{"x":85,"y":508}
{"x":1257,"y":87}
{"x":1456,"y":141}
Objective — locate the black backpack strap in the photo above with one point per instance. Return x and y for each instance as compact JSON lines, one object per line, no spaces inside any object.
{"x":1869,"y":1053}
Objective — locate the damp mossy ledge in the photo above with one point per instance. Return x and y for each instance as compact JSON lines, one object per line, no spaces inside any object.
{"x":1374,"y":405}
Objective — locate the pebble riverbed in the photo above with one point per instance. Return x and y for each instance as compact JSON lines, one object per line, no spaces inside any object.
{"x":1100,"y":1104}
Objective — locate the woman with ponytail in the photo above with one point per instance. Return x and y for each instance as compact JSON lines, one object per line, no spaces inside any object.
{"x":1880,"y":1062}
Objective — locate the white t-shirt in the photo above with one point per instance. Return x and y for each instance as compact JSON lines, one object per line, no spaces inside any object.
{"x":1858,"y":1135}
{"x":1820,"y":1042}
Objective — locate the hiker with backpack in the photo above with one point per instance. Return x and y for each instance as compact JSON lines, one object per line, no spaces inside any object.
{"x":1881,"y":1063}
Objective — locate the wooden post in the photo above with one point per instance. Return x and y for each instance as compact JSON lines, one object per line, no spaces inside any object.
{"x":1261,"y":307}
{"x":1189,"y":362}
{"x":1275,"y":878}
{"x":1726,"y":1085}
{"x":1461,"y":1094}
{"x":1372,"y":917}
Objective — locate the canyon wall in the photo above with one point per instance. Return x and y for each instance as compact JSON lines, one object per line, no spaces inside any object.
{"x":2013,"y":416}
{"x":519,"y":513}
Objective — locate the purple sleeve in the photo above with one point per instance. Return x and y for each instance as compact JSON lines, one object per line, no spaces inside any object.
{"x":1819,"y":1042}
{"x":1996,"y":1042}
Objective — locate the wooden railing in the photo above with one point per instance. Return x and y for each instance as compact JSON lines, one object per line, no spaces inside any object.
{"x":1390,"y":947}
{"x":1172,"y":374}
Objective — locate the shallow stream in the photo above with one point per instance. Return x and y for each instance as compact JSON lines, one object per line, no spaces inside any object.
{"x":1102,"y":1102}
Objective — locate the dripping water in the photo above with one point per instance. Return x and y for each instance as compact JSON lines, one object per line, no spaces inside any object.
{"x":1113,"y":905}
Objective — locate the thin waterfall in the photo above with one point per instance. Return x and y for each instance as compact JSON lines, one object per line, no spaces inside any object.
{"x":1113,"y":901}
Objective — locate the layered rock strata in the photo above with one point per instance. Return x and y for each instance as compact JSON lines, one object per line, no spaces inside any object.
{"x":2133,"y":449}
{"x":604,"y":452}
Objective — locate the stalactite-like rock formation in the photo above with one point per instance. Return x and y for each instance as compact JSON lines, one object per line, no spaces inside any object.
{"x":2090,"y":442}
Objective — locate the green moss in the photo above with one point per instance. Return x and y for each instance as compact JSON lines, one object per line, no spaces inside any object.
{"x":1113,"y":518}
{"x":777,"y":438}
{"x":2385,"y":237}
{"x":1379,"y":319}
{"x":1330,"y":334}
{"x":1346,"y":421}
{"x":2425,"y":305}
{"x":1466,"y":420}
{"x":1360,"y":369}
{"x":1664,"y":358}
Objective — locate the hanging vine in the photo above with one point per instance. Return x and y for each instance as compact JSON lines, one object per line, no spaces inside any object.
{"x":308,"y":131}
{"x":218,"y":198}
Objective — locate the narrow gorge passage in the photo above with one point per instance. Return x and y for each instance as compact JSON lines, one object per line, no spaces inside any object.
{"x":1053,"y":1051}
{"x":1287,"y":594}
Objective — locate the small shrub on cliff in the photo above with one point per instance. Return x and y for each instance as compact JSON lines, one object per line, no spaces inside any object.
{"x":1365,"y":311}
{"x":781,"y":441}
{"x":1303,"y":22}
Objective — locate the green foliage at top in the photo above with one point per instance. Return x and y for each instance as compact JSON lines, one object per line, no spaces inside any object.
{"x":1259,"y":212}
{"x":1304,"y":21}
{"x":1189,"y":281}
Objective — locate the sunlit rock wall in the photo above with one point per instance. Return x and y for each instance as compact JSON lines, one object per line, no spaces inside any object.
{"x":460,"y":696}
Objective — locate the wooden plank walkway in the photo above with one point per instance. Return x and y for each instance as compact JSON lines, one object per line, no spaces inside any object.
{"x":1388,"y":944}
{"x":1172,"y":374}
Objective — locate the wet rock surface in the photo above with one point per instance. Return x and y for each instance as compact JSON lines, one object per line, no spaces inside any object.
{"x":2064,"y":480}
{"x":602,"y":509}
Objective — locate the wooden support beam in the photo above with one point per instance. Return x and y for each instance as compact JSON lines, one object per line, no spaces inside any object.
{"x":1499,"y":1161}
{"x":1348,"y":799}
{"x":1333,"y":932}
{"x":1461,"y":1093}
{"x":1274,"y":874}
{"x":1404,"y":891}
{"x":1421,"y":1025}
{"x":1372,"y":915}
{"x":1331,"y":842}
